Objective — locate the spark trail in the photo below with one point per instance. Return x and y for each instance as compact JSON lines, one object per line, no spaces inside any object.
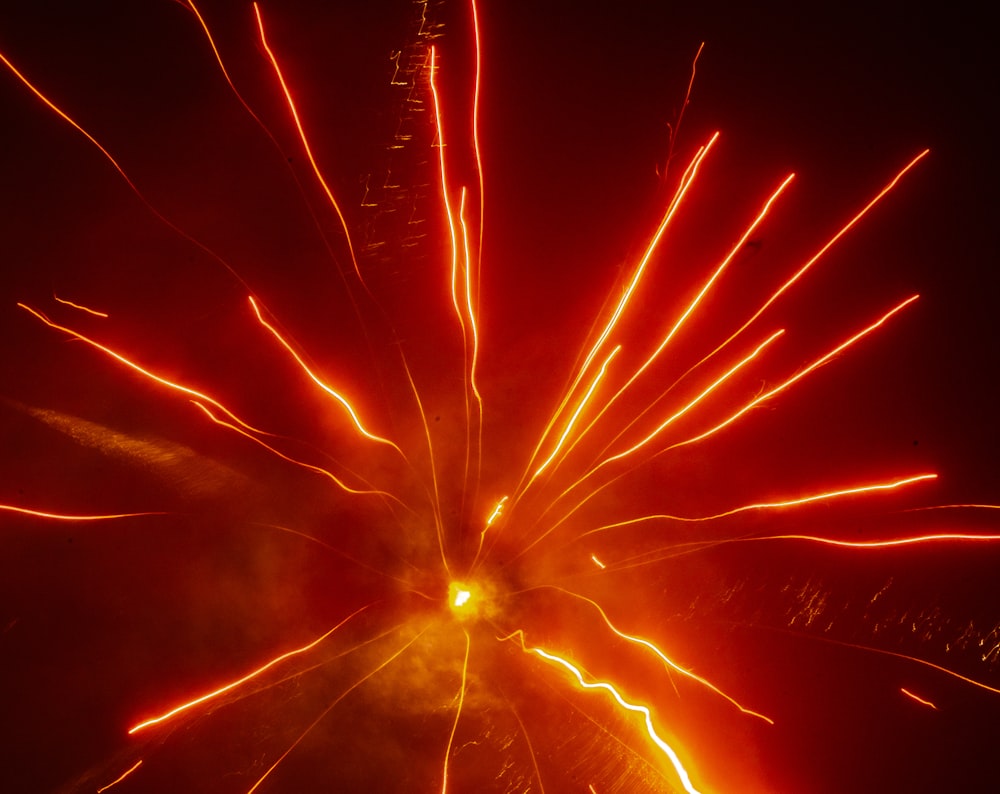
{"x":467,"y":549}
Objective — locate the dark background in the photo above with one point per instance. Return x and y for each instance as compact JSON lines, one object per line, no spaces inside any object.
{"x":577,"y":103}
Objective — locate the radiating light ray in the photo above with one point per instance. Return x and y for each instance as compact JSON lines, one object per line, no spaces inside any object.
{"x":803,"y":500}
{"x":142,"y":371}
{"x":168,"y":715}
{"x":706,"y":288}
{"x":308,"y":466}
{"x":910,"y":540}
{"x":570,"y":424}
{"x":478,"y":47}
{"x":458,"y":712}
{"x":121,"y":777}
{"x":305,"y":142}
{"x":656,"y":651}
{"x":687,"y":179}
{"x":816,"y":257}
{"x":676,"y":127}
{"x":330,"y":708}
{"x":918,"y":699}
{"x":82,"y":308}
{"x":586,"y":476}
{"x":75,"y":517}
{"x":799,"y":376}
{"x":665,"y":748}
{"x":326,"y":388}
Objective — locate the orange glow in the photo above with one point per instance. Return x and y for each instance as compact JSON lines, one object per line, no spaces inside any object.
{"x":121,"y":777}
{"x":315,"y":379}
{"x":305,"y":141}
{"x":240,"y":681}
{"x":917,"y":698}
{"x":638,"y":708}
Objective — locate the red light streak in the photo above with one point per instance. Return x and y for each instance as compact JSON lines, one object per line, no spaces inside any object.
{"x":69,"y":517}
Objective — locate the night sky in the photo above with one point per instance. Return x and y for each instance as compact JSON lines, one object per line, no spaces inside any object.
{"x":105,"y":623}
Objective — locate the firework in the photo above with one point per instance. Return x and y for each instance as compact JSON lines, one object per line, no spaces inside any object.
{"x":350,"y":500}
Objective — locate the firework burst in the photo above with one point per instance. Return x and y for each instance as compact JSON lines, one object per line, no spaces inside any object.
{"x":351,"y":499}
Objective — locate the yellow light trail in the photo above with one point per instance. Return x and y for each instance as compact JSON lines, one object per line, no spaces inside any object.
{"x":82,"y":308}
{"x":240,"y":681}
{"x":665,"y":748}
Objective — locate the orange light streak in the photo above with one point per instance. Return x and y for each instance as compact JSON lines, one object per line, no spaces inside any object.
{"x":305,"y":141}
{"x":826,"y":247}
{"x":687,"y":179}
{"x":917,"y":698}
{"x":704,"y":394}
{"x":142,"y":371}
{"x":340,"y":398}
{"x":52,"y":106}
{"x":576,"y":414}
{"x":310,"y":467}
{"x":795,"y":378}
{"x":665,"y":748}
{"x":68,"y":517}
{"x":458,"y":711}
{"x":78,"y":306}
{"x":239,"y":682}
{"x":597,"y":562}
{"x":330,"y":708}
{"x":477,"y":41}
{"x":121,"y":777}
{"x":670,"y":663}
{"x":860,"y":489}
{"x":910,"y":540}
{"x":469,"y":308}
{"x":705,"y":288}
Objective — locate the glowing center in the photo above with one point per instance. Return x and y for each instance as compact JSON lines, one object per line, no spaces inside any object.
{"x":463,"y":600}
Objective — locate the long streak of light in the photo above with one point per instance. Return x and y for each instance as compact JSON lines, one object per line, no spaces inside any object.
{"x":121,"y":777}
{"x":142,"y":371}
{"x":797,"y":377}
{"x":911,"y":540}
{"x":665,"y":748}
{"x":816,"y":257}
{"x":340,"y":398}
{"x":305,"y":141}
{"x":308,"y":466}
{"x":687,"y":179}
{"x":80,"y":307}
{"x":652,"y":647}
{"x":819,"y":497}
{"x":458,"y":712}
{"x":70,"y":517}
{"x":330,"y":708}
{"x":917,"y":698}
{"x":704,"y":290}
{"x":240,"y":681}
{"x":584,"y":401}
